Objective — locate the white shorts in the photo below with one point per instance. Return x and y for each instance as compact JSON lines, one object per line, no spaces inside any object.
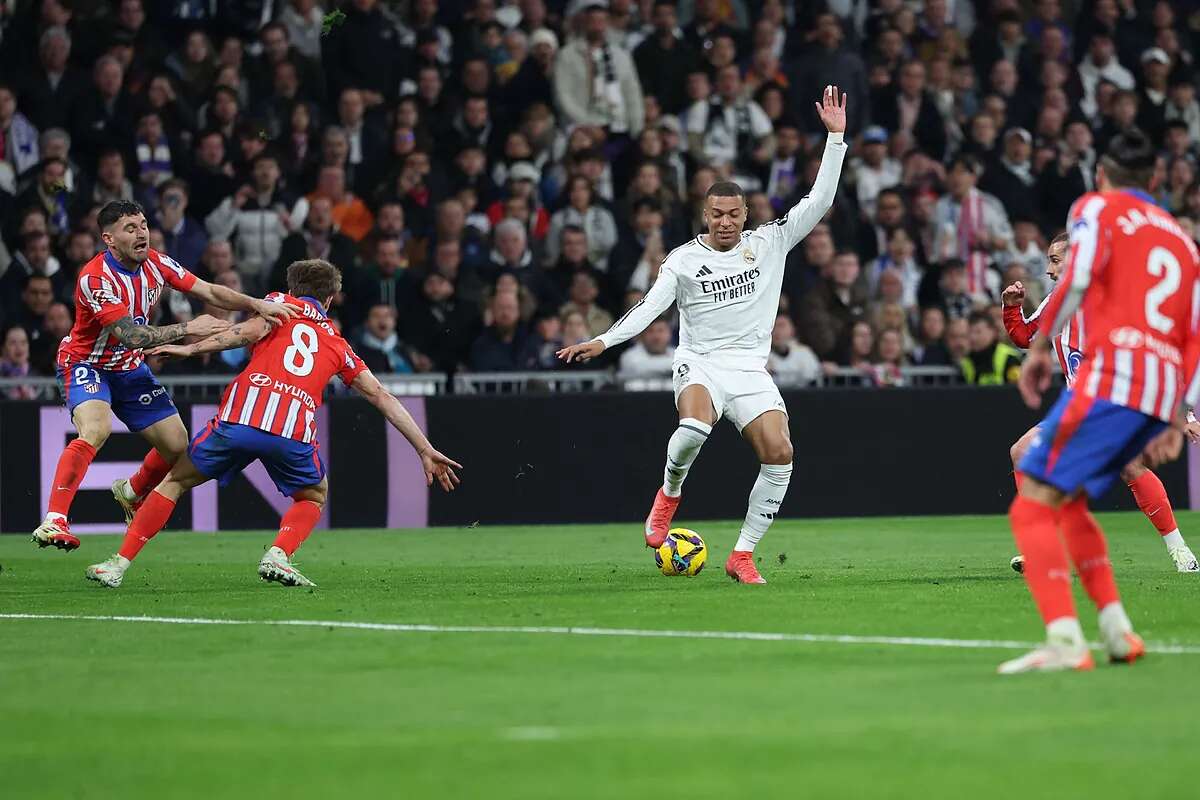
{"x":738,"y":394}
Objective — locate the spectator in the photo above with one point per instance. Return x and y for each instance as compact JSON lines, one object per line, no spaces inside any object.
{"x":946,"y":287}
{"x":582,"y":295}
{"x":1012,"y":178}
{"x":34,"y":275}
{"x":183,"y":237}
{"x":56,"y":325}
{"x":829,"y":62}
{"x":303,"y":20}
{"x":49,"y":193}
{"x":440,"y":327}
{"x":929,"y":349}
{"x":317,"y":239}
{"x":958,"y":340}
{"x":82,"y":245}
{"x":791,"y":363}
{"x":581,"y":211}
{"x":1152,"y":103}
{"x":258,"y":217}
{"x":731,"y":133}
{"x":55,"y":87}
{"x":19,"y":136}
{"x":664,"y":60}
{"x":104,"y":117}
{"x":14,"y":363}
{"x":874,"y":171}
{"x":990,"y":361}
{"x":502,"y":347}
{"x":1099,"y":64}
{"x":900,"y":259}
{"x":212,"y":177}
{"x":595,"y":83}
{"x":912,"y":110}
{"x":830,"y":309}
{"x":363,"y":52}
{"x":386,"y":281}
{"x":652,"y":355}
{"x":111,"y":183}
{"x":555,"y":286}
{"x":1182,"y":106}
{"x":973,"y":226}
{"x":350,"y":214}
{"x":379,"y":346}
{"x":546,"y":341}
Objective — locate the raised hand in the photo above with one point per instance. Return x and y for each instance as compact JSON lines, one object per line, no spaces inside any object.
{"x":832,"y":110}
{"x":1014,"y":295}
{"x":275,"y":313}
{"x":207,"y":325}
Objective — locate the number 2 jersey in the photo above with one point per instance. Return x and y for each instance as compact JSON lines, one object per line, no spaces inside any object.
{"x":1135,"y":274}
{"x":280,"y":390}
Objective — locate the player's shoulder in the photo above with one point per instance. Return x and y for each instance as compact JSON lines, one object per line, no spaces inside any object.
{"x":690,"y":249}
{"x":165,"y":262}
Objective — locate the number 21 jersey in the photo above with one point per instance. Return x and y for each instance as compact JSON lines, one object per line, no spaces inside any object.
{"x":280,"y":390}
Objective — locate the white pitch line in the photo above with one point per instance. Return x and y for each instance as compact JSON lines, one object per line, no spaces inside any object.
{"x":755,"y":636}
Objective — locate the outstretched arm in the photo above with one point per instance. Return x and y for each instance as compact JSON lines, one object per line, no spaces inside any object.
{"x":1019,"y":329}
{"x":244,"y":333}
{"x":799,"y":221}
{"x":435,"y":464}
{"x":632,"y":322}
{"x":223,"y":297}
{"x":136,"y":337}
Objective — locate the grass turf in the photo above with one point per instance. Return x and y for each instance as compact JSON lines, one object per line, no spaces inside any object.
{"x":100,"y":709}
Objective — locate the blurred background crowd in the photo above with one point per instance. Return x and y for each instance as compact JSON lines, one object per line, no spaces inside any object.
{"x":496,"y":178}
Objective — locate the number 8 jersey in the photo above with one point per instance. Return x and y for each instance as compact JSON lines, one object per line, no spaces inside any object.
{"x":1136,"y":275}
{"x":280,"y":390}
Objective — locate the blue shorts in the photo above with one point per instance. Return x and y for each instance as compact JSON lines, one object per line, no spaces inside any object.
{"x":136,"y":396}
{"x":1085,"y":442}
{"x":223,"y":449}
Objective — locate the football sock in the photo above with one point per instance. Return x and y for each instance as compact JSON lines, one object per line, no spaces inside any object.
{"x":682,"y":450}
{"x":765,"y":499}
{"x":1047,"y":573}
{"x":296,"y":525}
{"x":1089,"y":551}
{"x":1151,"y":497}
{"x":154,"y":468}
{"x":72,"y":466}
{"x":148,"y":521}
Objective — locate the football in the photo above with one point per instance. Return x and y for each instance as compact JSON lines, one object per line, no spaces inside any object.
{"x":682,"y":553}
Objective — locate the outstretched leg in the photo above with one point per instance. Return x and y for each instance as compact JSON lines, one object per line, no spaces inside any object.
{"x":696,"y":418}
{"x":93,"y":421}
{"x":297,"y":523}
{"x":1151,"y":497}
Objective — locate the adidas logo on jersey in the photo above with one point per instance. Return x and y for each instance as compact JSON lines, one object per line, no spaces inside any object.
{"x":704,"y":270}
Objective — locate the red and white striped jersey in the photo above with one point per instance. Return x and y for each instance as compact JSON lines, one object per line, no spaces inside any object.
{"x":280,"y":390}
{"x":1068,"y":345}
{"x":105,"y":292}
{"x":1136,"y":276}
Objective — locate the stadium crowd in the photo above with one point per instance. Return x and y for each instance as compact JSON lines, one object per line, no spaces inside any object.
{"x":497,"y":178}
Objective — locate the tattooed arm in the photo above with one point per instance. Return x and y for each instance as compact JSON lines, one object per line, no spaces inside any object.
{"x":240,"y":335}
{"x":136,"y":337}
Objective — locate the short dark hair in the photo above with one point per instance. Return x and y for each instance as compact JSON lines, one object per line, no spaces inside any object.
{"x":314,"y":277}
{"x":1061,"y":236}
{"x":977,"y":317}
{"x":115,"y":210}
{"x":725,"y":189}
{"x":1130,"y":160}
{"x":967,"y":162}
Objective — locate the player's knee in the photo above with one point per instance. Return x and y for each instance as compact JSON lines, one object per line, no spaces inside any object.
{"x":778,"y":452}
{"x":1132,"y":472}
{"x":313,"y":494}
{"x":94,"y":432}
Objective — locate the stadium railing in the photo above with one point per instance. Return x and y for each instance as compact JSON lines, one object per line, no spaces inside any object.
{"x":208,"y":388}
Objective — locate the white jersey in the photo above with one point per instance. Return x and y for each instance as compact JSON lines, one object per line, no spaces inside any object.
{"x":728,"y":300}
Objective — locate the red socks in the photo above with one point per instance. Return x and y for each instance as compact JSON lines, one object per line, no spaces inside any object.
{"x":1152,"y":499}
{"x":1035,"y":528}
{"x":296,"y":525}
{"x":154,"y":468}
{"x":1089,"y":551}
{"x":149,"y":520}
{"x":72,"y":466}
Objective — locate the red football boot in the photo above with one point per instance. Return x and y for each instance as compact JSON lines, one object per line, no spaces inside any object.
{"x":55,"y":533}
{"x":659,"y":521}
{"x":740,"y":567}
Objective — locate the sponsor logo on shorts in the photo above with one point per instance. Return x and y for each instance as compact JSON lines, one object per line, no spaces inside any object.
{"x":261,"y":379}
{"x":147,"y":398}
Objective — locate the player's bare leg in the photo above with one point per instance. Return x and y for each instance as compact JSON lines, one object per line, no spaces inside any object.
{"x":1017,"y":452}
{"x":150,"y":518}
{"x":696,"y":418}
{"x":168,"y":441}
{"x":1037,"y":515}
{"x":768,"y":434}
{"x":1152,"y":499}
{"x":276,"y":565}
{"x":93,"y":421}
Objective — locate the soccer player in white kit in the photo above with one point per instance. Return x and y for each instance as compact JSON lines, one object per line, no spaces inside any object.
{"x":727,"y":284}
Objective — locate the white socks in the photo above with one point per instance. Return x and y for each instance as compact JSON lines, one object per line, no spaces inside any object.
{"x":1173,"y":539}
{"x":765,"y":499}
{"x":682,"y":450}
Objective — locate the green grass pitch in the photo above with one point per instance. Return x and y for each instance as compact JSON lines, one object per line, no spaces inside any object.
{"x":106,"y":709}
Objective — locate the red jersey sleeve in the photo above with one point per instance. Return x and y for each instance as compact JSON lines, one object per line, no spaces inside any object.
{"x":174,"y":273}
{"x":352,"y":366}
{"x":1020,"y":331}
{"x":98,"y":296}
